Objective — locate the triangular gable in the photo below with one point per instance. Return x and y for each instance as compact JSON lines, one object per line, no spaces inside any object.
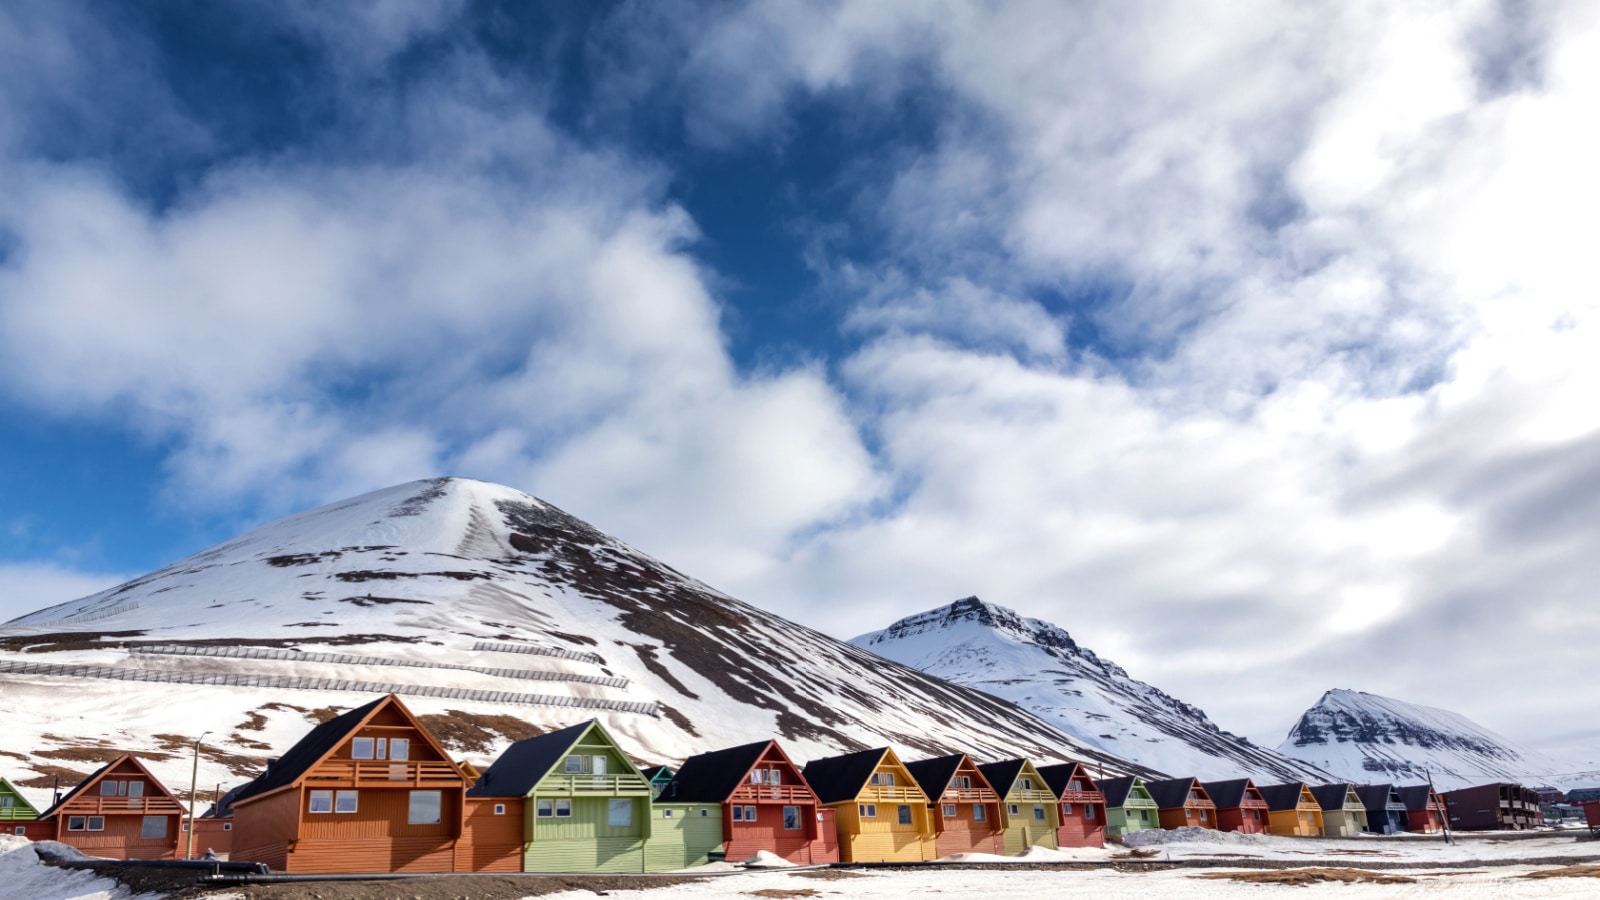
{"x":1119,"y":790}
{"x":326,"y":739}
{"x":1173,"y":793}
{"x":1061,"y":775}
{"x":1289,"y":795}
{"x":1231,"y":794}
{"x":529,"y":761}
{"x":19,"y":801}
{"x":713,"y":777}
{"x":114,"y":767}
{"x":890,"y":758}
{"x":1005,"y":774}
{"x":835,"y":779}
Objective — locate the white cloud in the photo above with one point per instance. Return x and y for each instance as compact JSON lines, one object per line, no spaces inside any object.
{"x":29,"y":586}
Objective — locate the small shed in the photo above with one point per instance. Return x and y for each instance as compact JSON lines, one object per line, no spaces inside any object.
{"x":880,"y":812}
{"x":1386,"y":812}
{"x":1240,"y":806}
{"x":1129,"y":806}
{"x":1027,"y":805}
{"x":1183,"y":803}
{"x":1343,"y":813}
{"x":1083,"y":806}
{"x":1292,"y":809}
{"x":966,"y":809}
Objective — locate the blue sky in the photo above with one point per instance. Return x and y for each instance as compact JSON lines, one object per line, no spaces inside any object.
{"x":1185,"y":326}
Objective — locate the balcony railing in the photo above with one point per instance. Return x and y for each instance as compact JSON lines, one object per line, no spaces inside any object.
{"x":1034,"y":796}
{"x":1082,"y":797}
{"x":96,"y":805}
{"x":379,"y":773}
{"x":17,"y":814}
{"x":786,"y":793}
{"x":881,"y":792}
{"x":969,"y":795}
{"x":593,"y":784}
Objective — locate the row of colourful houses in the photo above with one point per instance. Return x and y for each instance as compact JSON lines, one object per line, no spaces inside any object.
{"x":373,"y":791}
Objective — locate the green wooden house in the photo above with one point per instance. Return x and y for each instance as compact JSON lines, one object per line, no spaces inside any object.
{"x":1129,"y":806}
{"x":15,"y":810}
{"x":658,"y":776}
{"x":586,"y":805}
{"x":682,"y":835}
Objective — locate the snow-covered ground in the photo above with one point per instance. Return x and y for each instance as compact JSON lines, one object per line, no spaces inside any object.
{"x":24,"y":875}
{"x":1203,"y":843}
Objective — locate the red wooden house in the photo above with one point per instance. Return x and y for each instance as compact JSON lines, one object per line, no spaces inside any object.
{"x":367,"y":791}
{"x":1425,"y":809}
{"x":766,"y":804}
{"x":1240,"y":806}
{"x":966,"y":809}
{"x":119,"y":812}
{"x":1183,"y":802}
{"x":1083,"y":806}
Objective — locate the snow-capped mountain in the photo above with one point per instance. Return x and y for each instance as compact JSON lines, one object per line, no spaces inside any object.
{"x":1366,"y":738}
{"x":1039,"y":667}
{"x":490,"y":611}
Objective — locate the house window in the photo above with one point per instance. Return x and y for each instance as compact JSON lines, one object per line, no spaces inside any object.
{"x":1144,"y":815}
{"x":361,"y":748}
{"x":758,"y":776}
{"x":666,"y":814}
{"x":964,"y":782}
{"x":738,"y":814}
{"x":426,"y":808}
{"x":774,"y":776}
{"x":1203,"y":815}
{"x":1074,"y":785}
{"x":1188,"y":813}
{"x":97,"y":823}
{"x":1066,"y":809}
{"x":1014,"y":809}
{"x":344,"y":801}
{"x":586,"y":765}
{"x":1038,"y":813}
{"x":546,"y":809}
{"x":153,"y":828}
{"x":1088,"y":812}
{"x":499,"y":809}
{"x":979,"y":814}
{"x":227,"y":826}
{"x":75,"y":823}
{"x":704,"y":812}
{"x":322,"y":801}
{"x":21,"y":829}
{"x":1027,"y":784}
{"x":791,"y":818}
{"x":1194,"y":795}
{"x":400,"y":748}
{"x":7,"y":802}
{"x":905,"y":815}
{"x":868,"y":810}
{"x":949,"y":810}
{"x":135,"y":789}
{"x":749,"y":813}
{"x":563,"y":809}
{"x":109,"y":788}
{"x":619,"y":813}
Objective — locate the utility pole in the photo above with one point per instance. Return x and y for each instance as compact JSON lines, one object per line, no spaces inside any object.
{"x":194,"y":788}
{"x":1445,"y":813}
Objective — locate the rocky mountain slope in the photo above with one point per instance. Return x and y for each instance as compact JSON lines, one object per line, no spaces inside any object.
{"x":1039,"y":667}
{"x":1365,"y":737}
{"x":490,"y":611}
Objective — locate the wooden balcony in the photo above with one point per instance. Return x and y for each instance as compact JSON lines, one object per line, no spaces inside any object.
{"x":95,"y":805}
{"x":17,"y":814}
{"x":771,"y":793}
{"x":969,"y":795}
{"x":879,"y":793}
{"x":1036,"y":796}
{"x":1085,"y":797}
{"x":598,"y":785}
{"x":377,"y":773}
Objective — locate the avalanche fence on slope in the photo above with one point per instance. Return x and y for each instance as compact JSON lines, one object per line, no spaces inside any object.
{"x":533,"y":650}
{"x":296,"y":683}
{"x":354,"y":660}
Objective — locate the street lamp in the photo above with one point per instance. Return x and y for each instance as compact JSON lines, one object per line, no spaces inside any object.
{"x":194,"y":782}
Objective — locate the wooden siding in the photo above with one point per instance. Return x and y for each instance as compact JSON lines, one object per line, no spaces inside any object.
{"x":585,"y":855}
{"x":124,"y":810}
{"x":489,"y":842}
{"x":963,"y":833}
{"x":683,"y":835}
{"x":1300,"y":822}
{"x":1083,"y":824}
{"x":121,"y":839}
{"x":215,"y":835}
{"x":1248,"y":819}
{"x":378,"y":854}
{"x":745,"y":839}
{"x":882,"y":838}
{"x":1197,"y":814}
{"x":263,"y":829}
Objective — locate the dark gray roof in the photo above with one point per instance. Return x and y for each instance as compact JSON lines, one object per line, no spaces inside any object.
{"x":1002,"y":775}
{"x":1281,"y":797}
{"x":1227,"y":794}
{"x":1331,"y":796}
{"x":712,"y":777}
{"x":310,"y":749}
{"x":525,"y":762}
{"x":933,"y":775}
{"x":839,"y":778}
{"x":1116,"y":790}
{"x":1379,"y":797}
{"x":78,"y":788}
{"x":1415,"y":797}
{"x":1059,"y":775}
{"x":1170,"y":793}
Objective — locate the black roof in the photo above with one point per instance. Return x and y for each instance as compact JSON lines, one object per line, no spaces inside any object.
{"x":1331,"y":796}
{"x":1116,"y":790}
{"x":1227,"y":794}
{"x":933,"y":775}
{"x":1002,"y":775}
{"x":839,"y":778}
{"x":1378,"y":797}
{"x":1281,"y":797}
{"x":1170,"y":793}
{"x":525,"y":762}
{"x":712,"y":777}
{"x":1415,"y":797}
{"x":650,"y":773}
{"x":80,"y":786}
{"x":1059,"y":775}
{"x":305,"y":754}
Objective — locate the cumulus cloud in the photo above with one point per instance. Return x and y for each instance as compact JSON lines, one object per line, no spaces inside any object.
{"x":34,"y":586}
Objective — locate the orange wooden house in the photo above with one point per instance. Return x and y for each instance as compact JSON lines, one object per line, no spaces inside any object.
{"x":367,"y":791}
{"x":119,"y":812}
{"x":880,"y":813}
{"x":965,"y":808}
{"x":1083,"y":806}
{"x":1183,"y":803}
{"x":766,"y":804}
{"x":1240,"y":806}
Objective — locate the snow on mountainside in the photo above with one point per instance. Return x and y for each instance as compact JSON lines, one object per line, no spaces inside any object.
{"x":1365,"y":737}
{"x":1039,"y":667}
{"x":513,"y":614}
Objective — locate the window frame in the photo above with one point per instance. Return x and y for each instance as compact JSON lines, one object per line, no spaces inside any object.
{"x":438,"y":807}
{"x":979,"y":814}
{"x":1038,"y":812}
{"x":77,"y":823}
{"x":949,"y":810}
{"x":563,"y":808}
{"x":97,"y":823}
{"x":543,"y":808}
{"x":363,"y":748}
{"x":615,"y":805}
{"x":903,"y":814}
{"x":314,"y":796}
{"x":867,"y":810}
{"x":144,"y":828}
{"x":792,"y":813}
{"x":339,"y":797}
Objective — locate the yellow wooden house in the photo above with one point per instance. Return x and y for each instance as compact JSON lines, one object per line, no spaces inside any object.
{"x":879,"y":810}
{"x":1028,"y":807}
{"x":1292,"y":809}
